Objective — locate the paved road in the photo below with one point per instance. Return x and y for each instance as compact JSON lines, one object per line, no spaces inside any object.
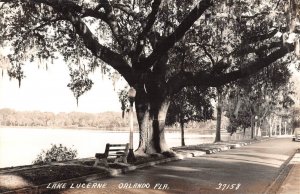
{"x":250,"y":169}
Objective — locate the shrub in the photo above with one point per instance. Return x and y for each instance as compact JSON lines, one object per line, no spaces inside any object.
{"x":55,"y":153}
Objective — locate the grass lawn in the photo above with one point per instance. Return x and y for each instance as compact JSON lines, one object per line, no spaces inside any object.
{"x":43,"y":174}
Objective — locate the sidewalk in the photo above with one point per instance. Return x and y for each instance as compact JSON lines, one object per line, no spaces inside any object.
{"x":211,"y":148}
{"x":291,"y":184}
{"x":27,"y":183}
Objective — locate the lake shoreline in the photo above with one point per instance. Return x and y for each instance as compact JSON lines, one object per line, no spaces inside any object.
{"x":124,"y":129}
{"x":68,"y":128}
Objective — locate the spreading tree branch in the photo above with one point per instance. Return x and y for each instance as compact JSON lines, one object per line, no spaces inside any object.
{"x":71,"y":6}
{"x":255,"y":15}
{"x":72,"y":12}
{"x":210,"y":79}
{"x":110,"y":57}
{"x":112,"y":21}
{"x":126,"y":9}
{"x":146,"y":29}
{"x":167,"y":43}
{"x":261,"y":37}
{"x":248,"y":49}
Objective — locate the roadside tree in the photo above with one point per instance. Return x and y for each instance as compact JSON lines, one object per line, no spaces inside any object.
{"x":190,"y":104}
{"x":259,"y":97}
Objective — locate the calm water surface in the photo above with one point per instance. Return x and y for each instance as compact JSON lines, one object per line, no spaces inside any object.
{"x":20,"y":146}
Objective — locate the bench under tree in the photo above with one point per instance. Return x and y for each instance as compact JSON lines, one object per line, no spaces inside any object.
{"x":117,"y":151}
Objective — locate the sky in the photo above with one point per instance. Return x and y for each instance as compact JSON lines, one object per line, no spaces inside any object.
{"x":47,"y":91}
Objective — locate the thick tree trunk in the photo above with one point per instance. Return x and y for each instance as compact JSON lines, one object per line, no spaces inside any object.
{"x":252,"y":126}
{"x":142,"y":112}
{"x":219,"y":118}
{"x":256,"y":128}
{"x":182,"y":132}
{"x":270,"y":127}
{"x":151,"y":115}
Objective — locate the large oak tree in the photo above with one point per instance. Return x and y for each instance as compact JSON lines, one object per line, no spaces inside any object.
{"x":157,"y":46}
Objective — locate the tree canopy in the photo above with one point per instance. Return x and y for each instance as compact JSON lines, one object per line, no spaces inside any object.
{"x":133,"y":36}
{"x":191,"y":104}
{"x":261,"y":95}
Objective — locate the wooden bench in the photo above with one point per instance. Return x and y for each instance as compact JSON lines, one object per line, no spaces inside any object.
{"x":117,"y":151}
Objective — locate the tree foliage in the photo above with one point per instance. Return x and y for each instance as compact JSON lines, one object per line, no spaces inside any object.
{"x":123,"y":99}
{"x":218,"y":36}
{"x":191,"y":104}
{"x":261,"y":95}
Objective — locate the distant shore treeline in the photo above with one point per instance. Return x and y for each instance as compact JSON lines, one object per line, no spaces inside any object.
{"x":105,"y":120}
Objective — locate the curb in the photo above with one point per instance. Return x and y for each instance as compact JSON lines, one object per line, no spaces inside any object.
{"x":285,"y":169}
{"x":202,"y":149}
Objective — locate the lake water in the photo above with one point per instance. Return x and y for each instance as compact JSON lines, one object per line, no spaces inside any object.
{"x":20,"y":146}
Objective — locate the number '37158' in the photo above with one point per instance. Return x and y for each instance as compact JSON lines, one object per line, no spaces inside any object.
{"x":222,"y":186}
